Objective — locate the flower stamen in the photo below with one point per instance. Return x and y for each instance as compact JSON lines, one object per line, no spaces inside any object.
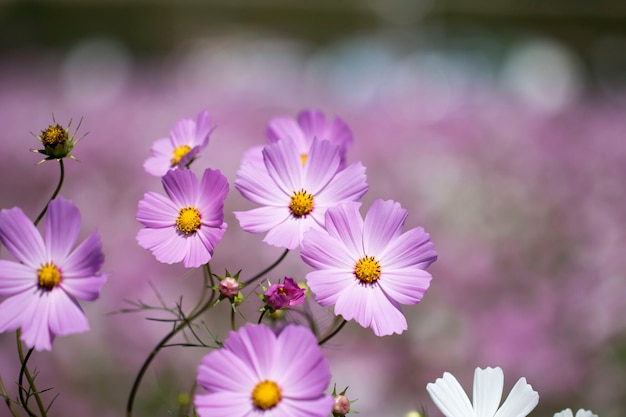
{"x":179,"y":153}
{"x":54,"y":135}
{"x":301,"y":203}
{"x":367,"y":269}
{"x":48,"y":277}
{"x":266,"y":394}
{"x":188,"y":220}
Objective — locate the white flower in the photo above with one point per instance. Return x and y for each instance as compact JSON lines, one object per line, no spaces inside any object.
{"x":449,"y":397}
{"x":580,"y":413}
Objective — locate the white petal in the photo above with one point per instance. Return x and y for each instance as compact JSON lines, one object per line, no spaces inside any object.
{"x":488,"y":385}
{"x":520,"y":402}
{"x":449,"y":397}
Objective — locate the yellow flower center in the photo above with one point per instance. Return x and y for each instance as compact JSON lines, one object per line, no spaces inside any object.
{"x":301,"y":203}
{"x":303,"y":158}
{"x":179,"y":154}
{"x":367,"y":269}
{"x":54,"y":135}
{"x":266,"y":394}
{"x":188,"y":220}
{"x":48,"y":276}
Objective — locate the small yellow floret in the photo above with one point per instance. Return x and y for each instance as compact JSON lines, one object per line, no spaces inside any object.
{"x":179,"y":153}
{"x":266,"y":394}
{"x":367,"y":269}
{"x":54,"y":135}
{"x":188,"y":220}
{"x":301,"y":203}
{"x":48,"y":276}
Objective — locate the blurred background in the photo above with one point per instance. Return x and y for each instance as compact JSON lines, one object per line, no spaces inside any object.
{"x":499,"y":125}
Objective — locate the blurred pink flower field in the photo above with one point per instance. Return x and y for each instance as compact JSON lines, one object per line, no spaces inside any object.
{"x":525,"y":205}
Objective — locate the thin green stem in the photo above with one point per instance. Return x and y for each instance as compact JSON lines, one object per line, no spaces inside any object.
{"x":261,"y":316}
{"x":185,"y":323}
{"x":232,"y":319}
{"x":333,"y":333}
{"x":31,"y":382}
{"x":54,"y":194}
{"x":7,"y":400}
{"x":268,"y":269}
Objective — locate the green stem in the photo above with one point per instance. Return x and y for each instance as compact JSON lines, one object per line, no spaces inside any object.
{"x":333,"y":333}
{"x":31,"y":382}
{"x":232,"y":318}
{"x":54,"y":194}
{"x":186,"y":322}
{"x":268,"y":269}
{"x":261,"y":316}
{"x":7,"y":400}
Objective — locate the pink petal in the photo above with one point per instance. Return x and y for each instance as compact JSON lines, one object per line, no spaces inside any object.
{"x":313,"y":124}
{"x":225,"y":404}
{"x":84,"y":288}
{"x":383,"y":222}
{"x":160,"y":161}
{"x":345,"y":224}
{"x":255,"y":345}
{"x":14,"y":309}
{"x":165,"y":244}
{"x":369,"y":307}
{"x":184,"y":133}
{"x":36,"y":331}
{"x":321,"y":251}
{"x":21,"y":238}
{"x":16,"y":278}
{"x":329,"y":284}
{"x":321,"y":165}
{"x":213,"y":192}
{"x":340,"y":134}
{"x":211,"y":375}
{"x":255,"y":184}
{"x":284,"y":165}
{"x":203,"y":129}
{"x":62,"y":227}
{"x":65,"y":315}
{"x":156,"y":211}
{"x":317,"y":407}
{"x":181,"y":185}
{"x":413,"y":248}
{"x":288,"y":234}
{"x":195,"y":253}
{"x":348,"y":185}
{"x":211,"y":236}
{"x":406,"y":286}
{"x":262,"y":219}
{"x":286,"y":127}
{"x":85,"y":260}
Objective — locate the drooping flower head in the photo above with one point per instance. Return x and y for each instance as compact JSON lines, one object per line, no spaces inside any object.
{"x":186,"y":140}
{"x":295,"y":193}
{"x":452,"y":401}
{"x":259,"y":373}
{"x":42,"y":289}
{"x":367,"y":268}
{"x":287,"y":294}
{"x":188,"y":223}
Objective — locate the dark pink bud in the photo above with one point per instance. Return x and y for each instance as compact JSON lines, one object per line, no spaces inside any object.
{"x":283,"y":295}
{"x":341,"y":406}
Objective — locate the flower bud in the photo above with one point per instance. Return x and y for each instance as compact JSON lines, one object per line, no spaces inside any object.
{"x":57,"y":142}
{"x":283,"y":295}
{"x":229,"y":287}
{"x":341,"y":407}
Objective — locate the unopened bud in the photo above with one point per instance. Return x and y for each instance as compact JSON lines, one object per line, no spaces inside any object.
{"x":229,"y":287}
{"x":341,"y":406}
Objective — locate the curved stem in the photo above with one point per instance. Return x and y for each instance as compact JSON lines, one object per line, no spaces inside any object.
{"x":333,"y":333}
{"x":31,"y":382}
{"x":54,"y":194}
{"x":261,"y":316}
{"x":268,"y":269}
{"x":186,"y":322}
{"x":7,"y":400}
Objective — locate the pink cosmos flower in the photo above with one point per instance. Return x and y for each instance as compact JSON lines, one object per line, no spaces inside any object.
{"x":287,"y":294}
{"x":42,"y":289}
{"x":186,"y":140}
{"x":262,"y":374}
{"x":296,"y":192}
{"x":367,"y":268}
{"x":188,"y":223}
{"x":452,"y":401}
{"x":310,"y":124}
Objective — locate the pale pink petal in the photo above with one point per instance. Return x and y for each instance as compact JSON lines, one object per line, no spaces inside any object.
{"x":345,"y":224}
{"x":195,"y":253}
{"x":315,"y":407}
{"x":340,"y":134}
{"x":62,"y":227}
{"x":348,"y":185}
{"x":161,"y":160}
{"x":322,"y":251}
{"x":329,"y":284}
{"x":65,"y":315}
{"x":85,"y":288}
{"x":85,"y":260}
{"x":313,"y":124}
{"x":288,"y":234}
{"x":183,"y":133}
{"x":225,"y":404}
{"x":21,"y":238}
{"x":255,"y":184}
{"x":284,"y":166}
{"x":286,"y":127}
{"x":156,"y":210}
{"x":166,"y":245}
{"x":369,"y":307}
{"x":383,"y":222}
{"x":36,"y":331}
{"x":413,"y":248}
{"x":203,"y":129}
{"x":181,"y":185}
{"x":262,"y":219}
{"x":406,"y":286}
{"x":255,"y":345}
{"x":14,"y":309}
{"x":211,"y":375}
{"x":321,"y":165}
{"x":210,"y":237}
{"x":213,"y":192}
{"x":16,"y":278}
